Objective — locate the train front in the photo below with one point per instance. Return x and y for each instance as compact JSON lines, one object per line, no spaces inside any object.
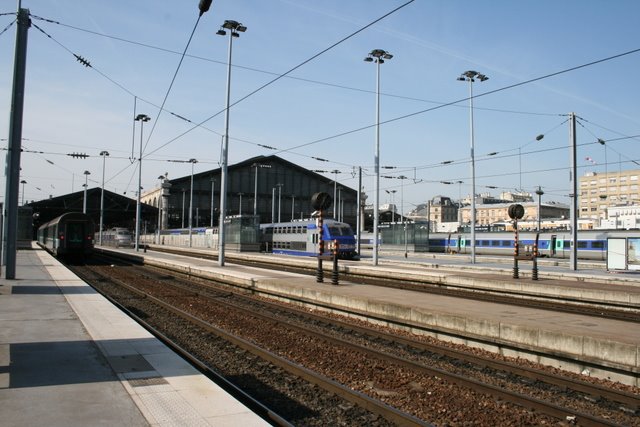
{"x":342,"y":234}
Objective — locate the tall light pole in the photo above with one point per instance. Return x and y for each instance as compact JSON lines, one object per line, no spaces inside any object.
{"x":273,"y":205}
{"x":279,"y":200}
{"x":255,"y":191}
{"x":539,"y":192}
{"x":104,"y":155}
{"x":184,"y":191}
{"x":84,"y":201}
{"x":193,"y":162}
{"x":240,"y":204}
{"x":471,"y":76}
{"x":404,"y":226}
{"x":573,"y":256}
{"x":160,"y":178}
{"x":293,"y":205}
{"x":335,"y":173}
{"x":23,"y":182}
{"x":377,"y":56}
{"x":235,"y":28}
{"x":139,"y":118}
{"x":213,"y":184}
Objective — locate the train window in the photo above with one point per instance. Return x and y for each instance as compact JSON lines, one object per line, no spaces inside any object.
{"x":567,"y":244}
{"x":506,"y":243}
{"x":495,"y":243}
{"x":597,"y":244}
{"x":582,"y":244}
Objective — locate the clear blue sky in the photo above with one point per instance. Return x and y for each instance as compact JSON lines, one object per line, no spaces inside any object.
{"x":70,"y":108}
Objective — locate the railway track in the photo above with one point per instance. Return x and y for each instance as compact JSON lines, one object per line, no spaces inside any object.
{"x":607,"y":310}
{"x":398,"y":354}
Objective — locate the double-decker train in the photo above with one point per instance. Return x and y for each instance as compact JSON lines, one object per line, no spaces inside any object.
{"x":302,"y":238}
{"x":592,"y":244}
{"x":70,"y":235}
{"x":119,"y":237}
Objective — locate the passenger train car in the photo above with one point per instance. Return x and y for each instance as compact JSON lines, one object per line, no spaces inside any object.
{"x":592,"y":244}
{"x":301,"y":238}
{"x":119,"y":237}
{"x":70,"y":235}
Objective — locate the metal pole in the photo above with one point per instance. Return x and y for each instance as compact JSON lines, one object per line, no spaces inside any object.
{"x":573,"y":261}
{"x":104,"y":155}
{"x":159,"y":209}
{"x":23,"y":182}
{"x":404,"y":226}
{"x":293,"y":206}
{"x":213,"y":183}
{"x":473,"y":178}
{"x":191,"y":206}
{"x":139,"y":189}
{"x":359,"y":210}
{"x":15,"y":143}
{"x":240,"y":207}
{"x":273,"y":205}
{"x":376,"y":190}
{"x":184,"y":190}
{"x":225,"y":154}
{"x":255,"y":193}
{"x":84,"y":199}
{"x":279,"y":200}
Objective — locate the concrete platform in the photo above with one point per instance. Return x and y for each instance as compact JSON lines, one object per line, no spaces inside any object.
{"x":594,"y":346}
{"x":70,"y":358}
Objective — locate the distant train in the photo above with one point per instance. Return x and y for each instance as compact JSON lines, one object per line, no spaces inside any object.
{"x":70,"y":235}
{"x":301,"y":238}
{"x":592,"y":244}
{"x":118,"y":237}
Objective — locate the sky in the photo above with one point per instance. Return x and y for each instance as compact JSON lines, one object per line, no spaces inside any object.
{"x":544,"y":59}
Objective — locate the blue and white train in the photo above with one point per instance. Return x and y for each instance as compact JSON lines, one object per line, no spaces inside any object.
{"x":592,"y":244}
{"x":302,"y":238}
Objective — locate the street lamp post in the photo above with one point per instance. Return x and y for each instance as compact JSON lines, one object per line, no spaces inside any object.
{"x":255,"y":195}
{"x":471,"y":76}
{"x":377,"y":56}
{"x":404,"y":225}
{"x":160,"y":178}
{"x":240,"y":206}
{"x":184,"y":190}
{"x":193,"y":162}
{"x":293,"y":205}
{"x":23,"y":182}
{"x":235,"y":28}
{"x":273,"y":205}
{"x":84,"y":201}
{"x":335,"y":173}
{"x":213,"y":184}
{"x":279,"y":199}
{"x":139,"y":118}
{"x":539,"y":192}
{"x":104,"y":155}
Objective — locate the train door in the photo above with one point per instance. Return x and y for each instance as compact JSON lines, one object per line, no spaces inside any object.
{"x":462,"y":244}
{"x":552,"y":245}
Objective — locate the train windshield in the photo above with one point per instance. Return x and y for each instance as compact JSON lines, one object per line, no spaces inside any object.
{"x":340,"y":230}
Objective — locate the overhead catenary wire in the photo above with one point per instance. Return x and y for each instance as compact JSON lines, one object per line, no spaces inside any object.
{"x":306,"y":61}
{"x":173,"y":79}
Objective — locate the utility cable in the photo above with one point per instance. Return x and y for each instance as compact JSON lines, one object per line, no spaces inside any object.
{"x":175,"y":74}
{"x":7,"y":27}
{"x":546,"y":76}
{"x":290,"y":71}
